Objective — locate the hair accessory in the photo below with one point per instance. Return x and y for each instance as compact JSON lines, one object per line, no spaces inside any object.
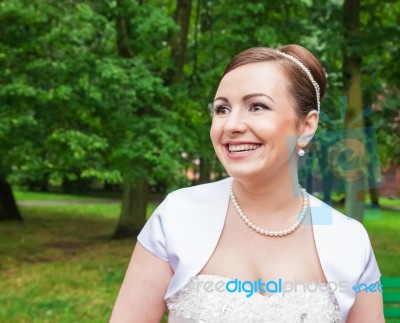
{"x":307,"y":71}
{"x":252,"y":226}
{"x":301,"y":152}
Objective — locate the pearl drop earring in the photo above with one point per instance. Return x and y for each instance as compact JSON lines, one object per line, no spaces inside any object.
{"x":301,"y":152}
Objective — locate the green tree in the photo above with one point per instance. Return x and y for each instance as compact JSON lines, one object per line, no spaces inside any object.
{"x":118,"y":90}
{"x":83,"y":110}
{"x":352,"y":59}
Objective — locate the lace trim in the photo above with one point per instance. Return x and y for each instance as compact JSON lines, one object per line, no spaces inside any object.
{"x":194,"y":304}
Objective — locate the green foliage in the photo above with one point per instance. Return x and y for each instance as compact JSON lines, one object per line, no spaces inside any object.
{"x":72,"y":107}
{"x":387,"y":125}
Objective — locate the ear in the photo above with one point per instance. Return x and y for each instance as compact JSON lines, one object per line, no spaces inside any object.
{"x":307,"y":128}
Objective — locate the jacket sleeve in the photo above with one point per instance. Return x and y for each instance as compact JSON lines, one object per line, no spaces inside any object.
{"x":371,"y":273}
{"x":152,"y":236}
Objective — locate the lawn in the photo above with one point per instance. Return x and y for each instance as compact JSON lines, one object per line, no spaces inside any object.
{"x":59,"y":265}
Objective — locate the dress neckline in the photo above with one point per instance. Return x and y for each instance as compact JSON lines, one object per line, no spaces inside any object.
{"x":314,"y":222}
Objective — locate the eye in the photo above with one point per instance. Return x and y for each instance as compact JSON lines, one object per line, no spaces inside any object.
{"x":258,"y":106}
{"x":221,"y":110}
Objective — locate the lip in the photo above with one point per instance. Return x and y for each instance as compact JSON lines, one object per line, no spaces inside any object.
{"x":226,"y":143}
{"x":242,"y":154}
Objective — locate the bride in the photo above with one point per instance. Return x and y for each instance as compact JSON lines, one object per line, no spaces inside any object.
{"x":255,"y":247}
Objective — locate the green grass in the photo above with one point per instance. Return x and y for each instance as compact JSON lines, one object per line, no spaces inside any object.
{"x":390,"y":202}
{"x":39,"y":196}
{"x":385,"y":239}
{"x":59,"y":265}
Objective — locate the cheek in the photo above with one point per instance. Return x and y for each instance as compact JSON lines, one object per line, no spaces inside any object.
{"x":272,"y":133}
{"x":215,"y":132}
{"x":285,"y":138}
{"x":265,"y":129}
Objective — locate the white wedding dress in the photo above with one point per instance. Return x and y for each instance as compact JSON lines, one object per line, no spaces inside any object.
{"x":194,"y":304}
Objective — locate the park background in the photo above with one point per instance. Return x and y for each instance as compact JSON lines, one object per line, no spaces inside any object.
{"x":104,"y":109}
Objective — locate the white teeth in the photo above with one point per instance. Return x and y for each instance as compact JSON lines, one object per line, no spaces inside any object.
{"x":236,"y":148}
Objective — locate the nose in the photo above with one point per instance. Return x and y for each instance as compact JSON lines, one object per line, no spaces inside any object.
{"x":235,"y":122}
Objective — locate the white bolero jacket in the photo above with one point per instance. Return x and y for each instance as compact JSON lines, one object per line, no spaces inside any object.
{"x":186,"y":227}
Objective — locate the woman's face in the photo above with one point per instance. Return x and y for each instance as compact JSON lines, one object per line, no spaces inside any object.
{"x":254,"y":129}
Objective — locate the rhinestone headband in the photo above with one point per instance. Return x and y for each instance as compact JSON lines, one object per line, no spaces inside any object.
{"x":307,"y":71}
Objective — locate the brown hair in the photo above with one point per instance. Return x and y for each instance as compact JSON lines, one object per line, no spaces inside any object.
{"x":301,"y":87}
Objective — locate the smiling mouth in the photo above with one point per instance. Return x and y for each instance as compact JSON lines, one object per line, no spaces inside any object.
{"x":237,"y":149}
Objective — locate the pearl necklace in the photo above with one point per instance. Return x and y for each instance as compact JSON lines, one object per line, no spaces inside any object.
{"x":266,"y":232}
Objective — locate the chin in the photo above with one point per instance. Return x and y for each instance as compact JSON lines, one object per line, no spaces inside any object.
{"x":241,"y":172}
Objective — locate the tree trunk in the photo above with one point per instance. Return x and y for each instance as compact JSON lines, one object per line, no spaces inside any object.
{"x":374,"y":194}
{"x":355,"y":199}
{"x":134,"y":195}
{"x":133,"y":209}
{"x":8,"y":207}
{"x":327,"y":187}
{"x":372,"y":180}
{"x":178,"y":41}
{"x":309,"y":181}
{"x":205,"y":171}
{"x":123,"y":30}
{"x":326,"y":173}
{"x":355,"y":184}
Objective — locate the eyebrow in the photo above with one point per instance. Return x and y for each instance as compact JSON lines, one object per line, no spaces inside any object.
{"x":222,"y":98}
{"x":246,"y":97}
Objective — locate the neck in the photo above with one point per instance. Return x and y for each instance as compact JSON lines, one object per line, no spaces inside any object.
{"x":271,"y":194}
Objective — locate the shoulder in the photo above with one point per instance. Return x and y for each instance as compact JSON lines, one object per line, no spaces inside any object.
{"x":324,"y":214}
{"x":192,"y":222}
{"x":346,"y":233}
{"x":194,"y":205}
{"x":200,"y":193}
{"x":183,"y":214}
{"x":345,"y":251}
{"x":203,"y":188}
